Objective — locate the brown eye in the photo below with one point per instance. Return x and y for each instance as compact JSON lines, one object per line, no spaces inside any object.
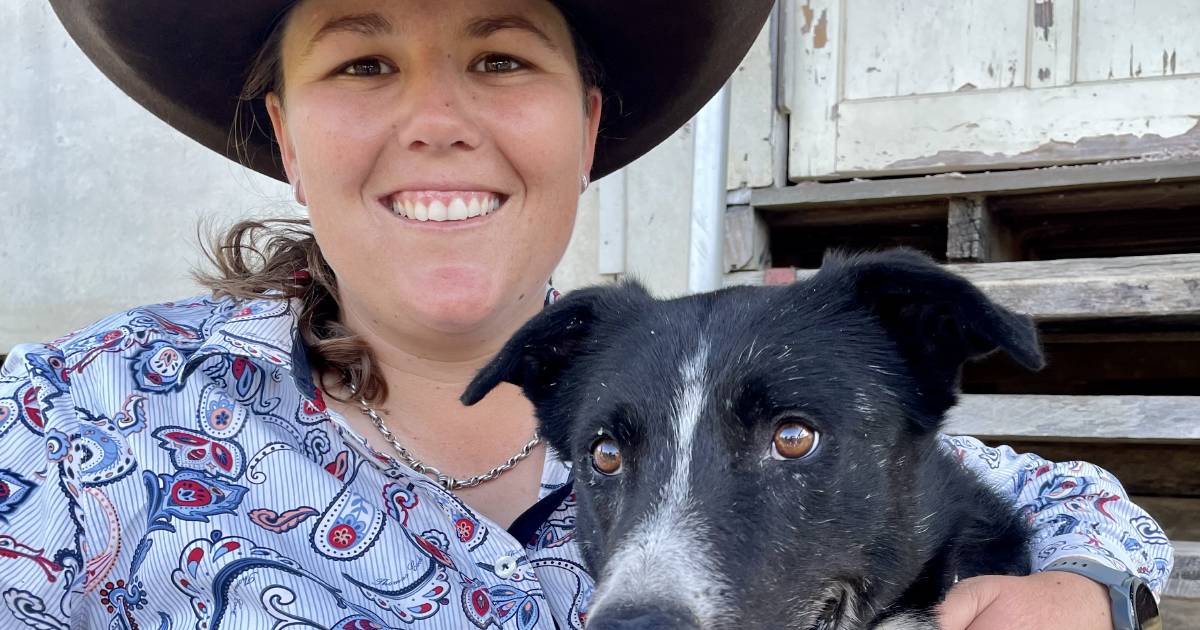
{"x":606,"y":456}
{"x":368,"y":67}
{"x":793,"y":440}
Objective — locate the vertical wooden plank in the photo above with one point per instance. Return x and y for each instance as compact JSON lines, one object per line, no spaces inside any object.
{"x":746,"y":236}
{"x":813,"y":86}
{"x":974,"y":234}
{"x":968,"y":230}
{"x":1052,"y":43}
{"x":752,"y":117}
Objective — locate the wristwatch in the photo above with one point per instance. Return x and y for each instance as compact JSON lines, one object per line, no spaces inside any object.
{"x":1133,"y":604}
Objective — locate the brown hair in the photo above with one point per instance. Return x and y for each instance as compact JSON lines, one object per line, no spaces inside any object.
{"x":280,"y":259}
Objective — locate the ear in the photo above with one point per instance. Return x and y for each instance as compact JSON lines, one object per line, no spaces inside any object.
{"x":938,"y":320}
{"x":287,"y":151}
{"x":539,"y":354}
{"x":592,"y":110}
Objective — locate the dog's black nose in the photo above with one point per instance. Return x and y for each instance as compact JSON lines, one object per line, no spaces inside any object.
{"x":643,"y":619}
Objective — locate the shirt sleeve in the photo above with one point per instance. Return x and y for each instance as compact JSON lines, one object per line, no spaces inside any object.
{"x":1075,"y":509}
{"x":42,"y":568}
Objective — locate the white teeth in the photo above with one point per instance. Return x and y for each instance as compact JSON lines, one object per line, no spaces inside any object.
{"x":458,"y":208}
{"x":437,"y":211}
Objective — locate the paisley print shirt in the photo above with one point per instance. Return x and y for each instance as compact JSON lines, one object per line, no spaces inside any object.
{"x":173,"y":466}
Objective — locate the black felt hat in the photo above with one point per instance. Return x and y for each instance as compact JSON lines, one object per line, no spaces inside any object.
{"x":186,"y":61}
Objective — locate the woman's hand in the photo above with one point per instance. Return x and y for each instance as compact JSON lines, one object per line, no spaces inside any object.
{"x":1048,"y":600}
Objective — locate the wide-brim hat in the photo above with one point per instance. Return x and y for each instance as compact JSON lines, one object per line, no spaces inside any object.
{"x":186,"y":61}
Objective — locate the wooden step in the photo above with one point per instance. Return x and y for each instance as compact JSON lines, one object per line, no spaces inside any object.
{"x":1180,"y":604}
{"x":1019,"y":182}
{"x":1185,"y":577}
{"x":1074,"y":289}
{"x":1077,"y":418}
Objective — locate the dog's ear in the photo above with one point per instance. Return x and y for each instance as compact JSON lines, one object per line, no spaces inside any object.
{"x":937,"y":319}
{"x":536,"y":356}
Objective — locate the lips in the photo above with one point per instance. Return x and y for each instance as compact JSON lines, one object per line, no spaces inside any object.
{"x":444,"y":205}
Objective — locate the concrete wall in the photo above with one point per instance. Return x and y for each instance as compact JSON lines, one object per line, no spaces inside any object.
{"x":99,"y":200}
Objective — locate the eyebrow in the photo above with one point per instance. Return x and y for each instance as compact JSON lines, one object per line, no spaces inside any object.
{"x":375,"y":24}
{"x":363,"y":23}
{"x":485,"y":26}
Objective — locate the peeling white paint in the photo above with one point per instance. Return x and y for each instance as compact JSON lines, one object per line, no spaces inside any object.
{"x":1144,"y":39}
{"x":932,"y":46}
{"x":1079,"y":123}
{"x":924,"y":86}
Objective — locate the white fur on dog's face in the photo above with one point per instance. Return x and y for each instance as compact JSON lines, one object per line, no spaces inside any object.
{"x":670,"y":551}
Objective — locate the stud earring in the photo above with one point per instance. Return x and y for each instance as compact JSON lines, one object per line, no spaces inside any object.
{"x":583,"y":183}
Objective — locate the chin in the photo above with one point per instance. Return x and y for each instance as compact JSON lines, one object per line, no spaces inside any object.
{"x":452,"y":303}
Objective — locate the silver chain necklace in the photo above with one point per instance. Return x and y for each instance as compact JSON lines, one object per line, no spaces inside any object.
{"x":446,"y":481}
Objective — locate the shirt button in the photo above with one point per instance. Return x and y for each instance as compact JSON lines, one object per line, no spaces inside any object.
{"x":506,"y":566}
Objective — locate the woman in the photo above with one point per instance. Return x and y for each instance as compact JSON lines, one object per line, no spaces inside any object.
{"x":250,"y":462}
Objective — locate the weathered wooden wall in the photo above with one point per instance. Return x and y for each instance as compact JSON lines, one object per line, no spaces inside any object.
{"x":918,"y":86}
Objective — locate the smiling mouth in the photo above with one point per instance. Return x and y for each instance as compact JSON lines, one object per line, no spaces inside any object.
{"x":444,"y":205}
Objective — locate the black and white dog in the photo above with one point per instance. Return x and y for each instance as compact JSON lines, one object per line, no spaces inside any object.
{"x":767,"y":457}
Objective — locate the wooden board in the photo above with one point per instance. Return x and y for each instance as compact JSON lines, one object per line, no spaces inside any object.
{"x":1185,"y":578}
{"x":1109,"y":362}
{"x":752,"y":116}
{"x":1052,"y":45}
{"x":811,"y":84}
{"x":906,"y":47}
{"x":1180,"y":614}
{"x":873,"y":90}
{"x":910,"y":189}
{"x":1141,"y":418}
{"x":1109,"y":49}
{"x":1084,"y":288}
{"x":1178,"y":516}
{"x":981,"y":130}
{"x":1159,"y":469}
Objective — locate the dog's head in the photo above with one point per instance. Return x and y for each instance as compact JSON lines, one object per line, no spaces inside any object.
{"x":738,"y":455}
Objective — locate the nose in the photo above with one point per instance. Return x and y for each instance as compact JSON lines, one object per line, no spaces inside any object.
{"x":439,"y":115}
{"x":643,"y":619}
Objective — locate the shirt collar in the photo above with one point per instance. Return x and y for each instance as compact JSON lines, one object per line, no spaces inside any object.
{"x":262,"y":331}
{"x":265,"y":332}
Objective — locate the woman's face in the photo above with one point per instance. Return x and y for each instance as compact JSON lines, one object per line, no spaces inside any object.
{"x":397,"y":113}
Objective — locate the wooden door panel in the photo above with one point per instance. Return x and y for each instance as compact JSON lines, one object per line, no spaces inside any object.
{"x":1014,"y":128}
{"x":891,"y":87}
{"x":907,"y":47}
{"x":1144,"y":39}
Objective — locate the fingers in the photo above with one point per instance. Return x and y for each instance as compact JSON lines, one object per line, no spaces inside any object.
{"x":963,"y":604}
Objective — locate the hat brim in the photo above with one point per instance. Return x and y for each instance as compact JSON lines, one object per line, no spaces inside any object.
{"x":662,"y":60}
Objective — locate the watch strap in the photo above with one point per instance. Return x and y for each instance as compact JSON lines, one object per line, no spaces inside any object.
{"x":1121,"y":585}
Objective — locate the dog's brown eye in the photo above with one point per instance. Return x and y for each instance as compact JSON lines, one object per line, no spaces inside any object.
{"x":793,"y":440}
{"x":606,"y":456}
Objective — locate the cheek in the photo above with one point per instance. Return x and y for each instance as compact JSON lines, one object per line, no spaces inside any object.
{"x":540,"y":130}
{"x":337,"y":138}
